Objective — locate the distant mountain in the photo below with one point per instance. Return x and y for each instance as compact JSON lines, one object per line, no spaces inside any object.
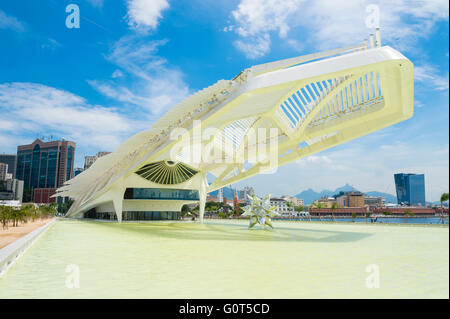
{"x":309,"y":195}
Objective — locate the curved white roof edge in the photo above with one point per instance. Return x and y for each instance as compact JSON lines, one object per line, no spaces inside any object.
{"x":297,"y":96}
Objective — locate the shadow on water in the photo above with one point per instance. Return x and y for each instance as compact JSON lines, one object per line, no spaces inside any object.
{"x":232,"y":232}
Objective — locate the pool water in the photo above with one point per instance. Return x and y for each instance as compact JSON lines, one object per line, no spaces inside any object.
{"x":224,"y":259}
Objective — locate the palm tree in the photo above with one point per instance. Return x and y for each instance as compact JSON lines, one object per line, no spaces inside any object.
{"x":444,"y":198}
{"x":333,"y":207}
{"x":367,"y":214}
{"x":5,"y":215}
{"x":318,"y":205}
{"x":299,"y":209}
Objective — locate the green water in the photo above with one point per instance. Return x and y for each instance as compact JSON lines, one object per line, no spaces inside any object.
{"x":226,"y":260}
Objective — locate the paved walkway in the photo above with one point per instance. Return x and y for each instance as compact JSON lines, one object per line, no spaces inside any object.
{"x":11,"y":234}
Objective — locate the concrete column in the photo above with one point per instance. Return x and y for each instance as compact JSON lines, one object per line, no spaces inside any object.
{"x":117,"y":192}
{"x":202,"y":194}
{"x":118,"y":201}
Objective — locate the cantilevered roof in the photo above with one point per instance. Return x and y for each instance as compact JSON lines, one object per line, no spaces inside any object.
{"x":315,"y":102}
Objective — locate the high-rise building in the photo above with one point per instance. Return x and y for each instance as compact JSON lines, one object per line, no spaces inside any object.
{"x":44,"y":165}
{"x":89,"y":160}
{"x":11,"y":161}
{"x":220,"y":196}
{"x":246,"y":191}
{"x":410,"y":189}
{"x":11,"y":189}
{"x":3,"y":171}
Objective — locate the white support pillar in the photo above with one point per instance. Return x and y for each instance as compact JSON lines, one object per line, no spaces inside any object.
{"x":117,"y":192}
{"x":202,"y":194}
{"x":117,"y":201}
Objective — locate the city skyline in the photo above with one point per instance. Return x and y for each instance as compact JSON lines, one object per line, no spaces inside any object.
{"x":140,"y":72}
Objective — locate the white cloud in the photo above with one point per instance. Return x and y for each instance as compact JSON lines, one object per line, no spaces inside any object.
{"x":31,"y":109}
{"x":255,"y":20}
{"x":325,"y":24}
{"x":154,"y":86}
{"x":295,"y":45}
{"x":144,"y":14}
{"x":10,"y":22}
{"x":254,"y":48}
{"x":117,"y":74}
{"x":430,"y":76}
{"x":96,"y":3}
{"x":317,"y":159}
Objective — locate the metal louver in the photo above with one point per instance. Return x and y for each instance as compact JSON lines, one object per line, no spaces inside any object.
{"x":166,"y":172}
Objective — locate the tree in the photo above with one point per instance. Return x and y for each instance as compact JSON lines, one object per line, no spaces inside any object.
{"x":222,"y":215}
{"x":5,"y":215}
{"x":184,"y":210}
{"x":408,"y":213}
{"x":387,"y":213}
{"x":444,"y":198}
{"x":333,"y":208}
{"x":367,"y":214}
{"x":318,"y":205}
{"x":354,"y":215}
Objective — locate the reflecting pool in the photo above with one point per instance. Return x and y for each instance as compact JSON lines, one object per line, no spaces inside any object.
{"x":224,"y":259}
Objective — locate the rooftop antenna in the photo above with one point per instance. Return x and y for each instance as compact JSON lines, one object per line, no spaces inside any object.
{"x":377,"y":37}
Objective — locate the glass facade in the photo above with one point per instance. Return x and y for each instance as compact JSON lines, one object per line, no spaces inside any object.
{"x":69,"y":162}
{"x":410,"y":189}
{"x":51,"y":171}
{"x":44,"y":165}
{"x":161,"y":193}
{"x":135,"y":215}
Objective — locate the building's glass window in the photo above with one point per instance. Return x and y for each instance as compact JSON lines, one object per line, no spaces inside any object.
{"x":135,"y":215}
{"x":69,"y":162}
{"x":27,"y":170}
{"x":161,"y":193}
{"x":51,"y":172}
{"x":43,"y":170}
{"x":20,"y":166}
{"x":35,"y":166}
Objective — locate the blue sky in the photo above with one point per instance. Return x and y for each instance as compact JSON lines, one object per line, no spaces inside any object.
{"x":131,"y":60}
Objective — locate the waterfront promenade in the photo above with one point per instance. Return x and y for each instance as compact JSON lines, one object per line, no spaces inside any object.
{"x":11,"y":234}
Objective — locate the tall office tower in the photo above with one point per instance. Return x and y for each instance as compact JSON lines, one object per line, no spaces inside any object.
{"x":410,"y":189}
{"x":11,"y":160}
{"x":44,"y":165}
{"x":220,"y":196}
{"x":89,"y":160}
{"x":3,"y":171}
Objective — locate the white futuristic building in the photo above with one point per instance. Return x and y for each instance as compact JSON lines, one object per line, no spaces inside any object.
{"x":267,"y":116}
